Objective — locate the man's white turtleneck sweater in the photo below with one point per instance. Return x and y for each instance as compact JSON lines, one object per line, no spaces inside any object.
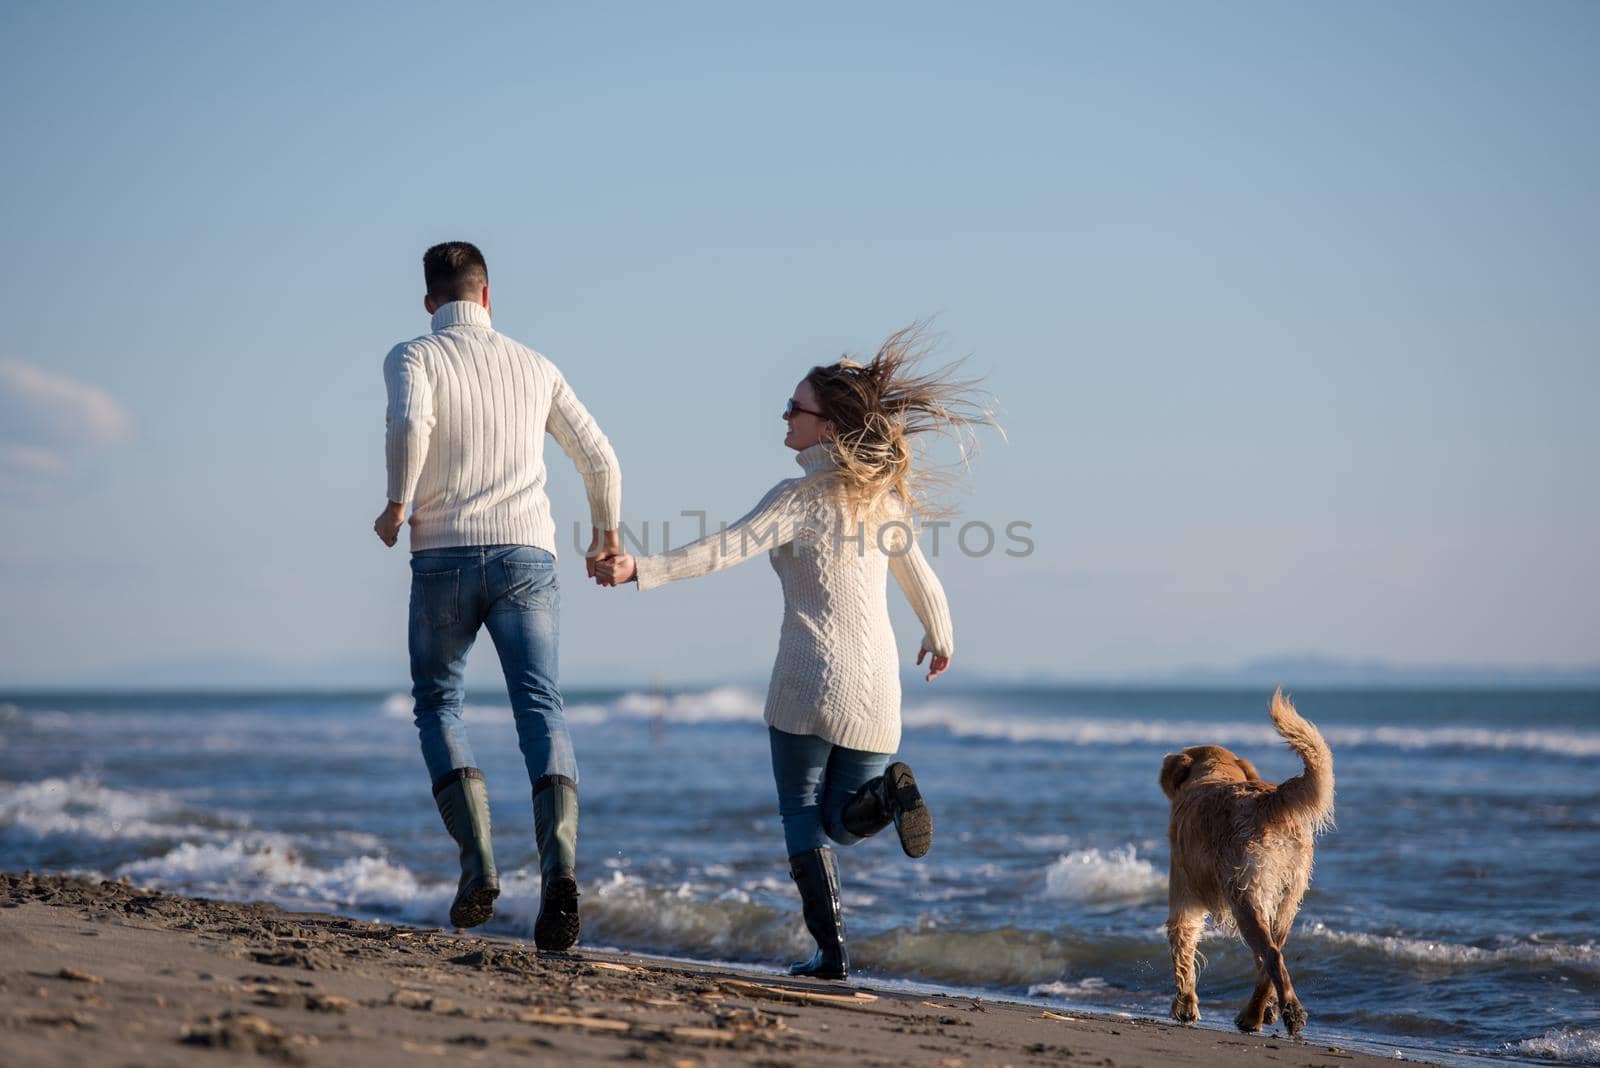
{"x":468,"y":411}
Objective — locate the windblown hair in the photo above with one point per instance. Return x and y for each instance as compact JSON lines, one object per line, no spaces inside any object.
{"x":881,"y":412}
{"x":454,"y":270}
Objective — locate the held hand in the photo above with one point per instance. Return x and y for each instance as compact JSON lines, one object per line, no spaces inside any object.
{"x":387,"y":525}
{"x":936,"y":667}
{"x":601,"y":546}
{"x":615,"y":570}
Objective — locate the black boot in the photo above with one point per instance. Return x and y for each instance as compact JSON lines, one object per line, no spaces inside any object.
{"x":817,"y":876}
{"x":463,"y":802}
{"x":555,"y":828}
{"x":891,"y":797}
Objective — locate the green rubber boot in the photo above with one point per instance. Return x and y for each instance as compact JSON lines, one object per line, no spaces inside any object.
{"x":463,"y":801}
{"x":555,"y":828}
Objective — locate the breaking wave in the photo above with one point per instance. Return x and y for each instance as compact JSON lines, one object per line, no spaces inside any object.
{"x":82,"y":808}
{"x":239,"y":872}
{"x":736,"y":704}
{"x":724,"y":704}
{"x":1094,"y":731}
{"x":1115,"y":877}
{"x":1007,"y":957}
{"x":626,"y":911}
{"x":1572,"y":1044}
{"x":1583,"y":958}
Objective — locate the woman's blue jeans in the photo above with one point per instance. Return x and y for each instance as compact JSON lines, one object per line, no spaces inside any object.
{"x":512,"y":590}
{"x":815,"y":778}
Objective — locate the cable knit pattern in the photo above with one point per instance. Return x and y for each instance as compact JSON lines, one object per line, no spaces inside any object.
{"x":468,"y":411}
{"x":838,"y":672}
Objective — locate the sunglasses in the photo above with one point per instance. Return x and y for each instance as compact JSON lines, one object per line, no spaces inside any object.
{"x":790,"y":408}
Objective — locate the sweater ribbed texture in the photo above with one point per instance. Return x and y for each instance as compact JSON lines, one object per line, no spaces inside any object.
{"x":468,"y":411}
{"x":837,"y":674}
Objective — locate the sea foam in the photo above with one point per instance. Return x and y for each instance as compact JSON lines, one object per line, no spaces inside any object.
{"x":957,"y":720}
{"x":736,"y":704}
{"x":723,"y":704}
{"x":1115,"y":877}
{"x":626,"y":911}
{"x":81,"y":807}
{"x":1582,"y":957}
{"x":363,"y":885}
{"x":1574,"y":1044}
{"x":238,"y":871}
{"x":1088,"y":987}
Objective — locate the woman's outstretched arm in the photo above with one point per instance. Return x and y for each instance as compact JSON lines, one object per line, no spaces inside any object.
{"x":771,"y":523}
{"x":926,"y":594}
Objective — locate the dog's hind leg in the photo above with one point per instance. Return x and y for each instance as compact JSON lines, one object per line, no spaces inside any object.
{"x":1262,"y":1008}
{"x":1269,"y":959}
{"x":1183,"y":935}
{"x":1282,"y":923}
{"x":1259,"y":1008}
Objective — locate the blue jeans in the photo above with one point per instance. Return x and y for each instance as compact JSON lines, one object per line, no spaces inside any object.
{"x":511,"y":589}
{"x":815,"y":778}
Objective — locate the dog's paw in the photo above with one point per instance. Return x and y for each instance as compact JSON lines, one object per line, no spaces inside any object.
{"x":1186,"y":1009}
{"x":1269,"y":1015}
{"x":1294,"y":1017}
{"x":1247,"y":1022}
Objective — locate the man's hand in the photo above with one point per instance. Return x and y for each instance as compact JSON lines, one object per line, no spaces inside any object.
{"x":602,"y":546}
{"x":390,"y":520}
{"x":615,"y":570}
{"x":936,"y":667}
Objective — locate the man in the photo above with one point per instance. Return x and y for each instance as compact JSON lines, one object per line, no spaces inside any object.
{"x":468,"y":410}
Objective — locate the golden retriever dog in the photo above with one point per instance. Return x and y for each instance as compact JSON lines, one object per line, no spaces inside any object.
{"x":1241,"y":851}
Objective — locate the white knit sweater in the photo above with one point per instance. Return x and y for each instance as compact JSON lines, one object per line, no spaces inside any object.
{"x":837,"y":675}
{"x":468,"y":411}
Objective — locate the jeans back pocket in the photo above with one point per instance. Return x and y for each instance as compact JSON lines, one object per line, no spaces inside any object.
{"x":529,"y":584}
{"x":435,"y":597}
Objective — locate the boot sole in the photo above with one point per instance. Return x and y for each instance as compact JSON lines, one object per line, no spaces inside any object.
{"x":912,"y":819}
{"x":474,"y":906}
{"x":556,"y":929}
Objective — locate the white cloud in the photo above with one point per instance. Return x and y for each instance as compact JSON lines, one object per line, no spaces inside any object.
{"x":48,"y":420}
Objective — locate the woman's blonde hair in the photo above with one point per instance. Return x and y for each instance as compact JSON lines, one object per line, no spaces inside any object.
{"x":880,"y":409}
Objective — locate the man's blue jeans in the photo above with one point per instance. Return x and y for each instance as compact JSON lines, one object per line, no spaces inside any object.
{"x":512,"y":590}
{"x":815,"y":778}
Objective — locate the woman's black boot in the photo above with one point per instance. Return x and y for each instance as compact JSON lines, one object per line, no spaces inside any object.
{"x":463,"y":802}
{"x":817,"y":875}
{"x":892,"y":797}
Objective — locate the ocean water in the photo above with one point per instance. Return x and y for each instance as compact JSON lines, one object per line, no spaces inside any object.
{"x":1454,"y":912}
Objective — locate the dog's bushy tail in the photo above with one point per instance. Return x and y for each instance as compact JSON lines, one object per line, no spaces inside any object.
{"x":1309,"y":795}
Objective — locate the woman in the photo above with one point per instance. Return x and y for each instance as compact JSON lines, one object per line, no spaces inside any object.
{"x":833,"y":705}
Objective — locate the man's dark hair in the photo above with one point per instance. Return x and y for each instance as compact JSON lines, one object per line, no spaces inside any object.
{"x":454,"y":271}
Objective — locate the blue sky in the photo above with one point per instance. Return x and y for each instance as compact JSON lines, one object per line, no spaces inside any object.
{"x":1290,"y":310}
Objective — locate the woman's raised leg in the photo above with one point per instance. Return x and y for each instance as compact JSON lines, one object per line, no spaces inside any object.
{"x":849,"y":772}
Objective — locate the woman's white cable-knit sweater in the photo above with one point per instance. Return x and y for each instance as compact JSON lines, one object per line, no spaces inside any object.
{"x":468,"y":411}
{"x":837,"y":675}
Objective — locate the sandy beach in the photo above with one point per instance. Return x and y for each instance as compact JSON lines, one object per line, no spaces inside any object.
{"x":108,"y":973}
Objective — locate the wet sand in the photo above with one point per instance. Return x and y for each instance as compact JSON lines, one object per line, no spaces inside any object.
{"x":109,"y":974}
